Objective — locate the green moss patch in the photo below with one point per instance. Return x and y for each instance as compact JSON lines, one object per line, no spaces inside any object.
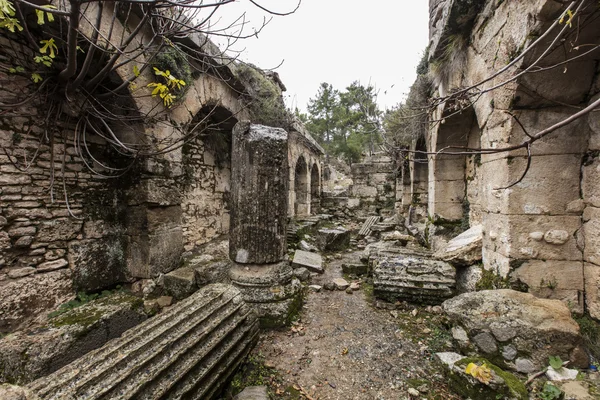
{"x":511,"y":388}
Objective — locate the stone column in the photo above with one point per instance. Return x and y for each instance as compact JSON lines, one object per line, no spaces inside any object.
{"x":189,"y":351}
{"x":257,"y":243}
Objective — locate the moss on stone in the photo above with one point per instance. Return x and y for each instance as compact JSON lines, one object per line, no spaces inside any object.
{"x":513,"y":388}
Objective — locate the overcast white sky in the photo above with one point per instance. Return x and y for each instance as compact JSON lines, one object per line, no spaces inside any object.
{"x":337,"y":41}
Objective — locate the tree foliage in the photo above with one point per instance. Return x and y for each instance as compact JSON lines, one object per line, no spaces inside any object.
{"x":347,"y":123}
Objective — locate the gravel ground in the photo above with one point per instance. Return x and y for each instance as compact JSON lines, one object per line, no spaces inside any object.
{"x":345,"y":348}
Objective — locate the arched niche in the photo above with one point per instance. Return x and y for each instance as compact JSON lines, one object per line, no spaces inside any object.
{"x":205,"y":184}
{"x":315,"y":189}
{"x":302,"y":202}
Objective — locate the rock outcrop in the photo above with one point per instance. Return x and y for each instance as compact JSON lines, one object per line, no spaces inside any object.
{"x":515,"y":330}
{"x":188,"y":351}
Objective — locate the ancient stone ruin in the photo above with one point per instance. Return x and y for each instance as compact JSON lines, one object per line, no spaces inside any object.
{"x":150,"y":242}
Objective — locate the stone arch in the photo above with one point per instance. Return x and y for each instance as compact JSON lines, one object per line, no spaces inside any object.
{"x":418,"y":182}
{"x":206,"y":176}
{"x":301,"y":188}
{"x":315,"y":189}
{"x":447,"y":183}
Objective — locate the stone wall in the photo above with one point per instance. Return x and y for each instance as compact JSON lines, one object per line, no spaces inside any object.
{"x":105,"y":232}
{"x":540,"y":231}
{"x":46,"y":253}
{"x":305,"y":171}
{"x":373,"y":191}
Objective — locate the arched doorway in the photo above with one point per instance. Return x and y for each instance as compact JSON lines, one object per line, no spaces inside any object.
{"x":301,"y":205}
{"x":315,"y":189}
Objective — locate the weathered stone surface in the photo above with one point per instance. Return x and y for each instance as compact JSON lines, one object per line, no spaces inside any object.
{"x":30,"y":297}
{"x":189,"y":351}
{"x":20,"y":272}
{"x":253,"y":393}
{"x":28,"y":355}
{"x":485,"y":342}
{"x":302,"y":273}
{"x":270,"y":288}
{"x":464,"y":249}
{"x":180,"y":283}
{"x":354,"y":269}
{"x":502,"y":383}
{"x":97,"y":264}
{"x":413,"y":279}
{"x":333,"y":239}
{"x":341,"y":283}
{"x":524,"y":366}
{"x":211,"y":272}
{"x":468,"y":277}
{"x":311,"y":261}
{"x":259,"y":190}
{"x":12,"y":392}
{"x":535,"y":327}
{"x":52,"y":265}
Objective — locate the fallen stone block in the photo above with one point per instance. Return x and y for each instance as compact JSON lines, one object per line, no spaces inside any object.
{"x":507,"y":326}
{"x":464,"y":249}
{"x":333,"y":239}
{"x":180,"y":283}
{"x":211,"y":272}
{"x":311,"y":261}
{"x":315,"y":288}
{"x":341,"y":283}
{"x":477,"y":378}
{"x":413,"y":279}
{"x":190,"y":351}
{"x":28,"y":355}
{"x":354,"y":269}
{"x":253,"y":393}
{"x":302,"y":273}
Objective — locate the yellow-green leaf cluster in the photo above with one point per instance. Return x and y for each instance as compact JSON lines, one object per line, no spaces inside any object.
{"x":7,"y":16}
{"x":40,"y":14}
{"x":482,"y":373}
{"x":163,"y":90}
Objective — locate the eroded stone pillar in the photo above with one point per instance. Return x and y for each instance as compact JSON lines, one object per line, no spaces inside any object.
{"x":257,"y":244}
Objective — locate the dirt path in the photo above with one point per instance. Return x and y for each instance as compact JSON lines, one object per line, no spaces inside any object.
{"x":345,"y":348}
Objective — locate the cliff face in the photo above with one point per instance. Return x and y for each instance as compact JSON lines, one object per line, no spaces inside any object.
{"x":541,"y":231}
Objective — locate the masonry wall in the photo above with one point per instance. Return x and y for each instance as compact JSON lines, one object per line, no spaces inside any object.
{"x":540,"y":231}
{"x":373,"y":191}
{"x":46,"y":254}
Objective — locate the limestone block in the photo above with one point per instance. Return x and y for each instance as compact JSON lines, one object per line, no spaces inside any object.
{"x":333,"y":239}
{"x":52,"y":265}
{"x":592,"y":289}
{"x":494,"y":261}
{"x":211,"y":272}
{"x":259,"y":190}
{"x":594,"y":122}
{"x":591,"y":233}
{"x":253,"y":393}
{"x":511,"y":236}
{"x":413,"y":279}
{"x":538,"y":328}
{"x":589,"y":184}
{"x":180,"y":283}
{"x":364,"y":191}
{"x":189,"y":351}
{"x":31,"y":297}
{"x":29,"y":355}
{"x":464,"y":249}
{"x":97,"y":264}
{"x":551,"y":183}
{"x":562,"y":280}
{"x":311,"y":261}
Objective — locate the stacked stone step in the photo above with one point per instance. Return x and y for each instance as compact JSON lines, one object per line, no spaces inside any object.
{"x":189,"y":352}
{"x":413,"y":279}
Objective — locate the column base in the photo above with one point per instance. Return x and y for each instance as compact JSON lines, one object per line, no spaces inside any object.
{"x":271,"y":289}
